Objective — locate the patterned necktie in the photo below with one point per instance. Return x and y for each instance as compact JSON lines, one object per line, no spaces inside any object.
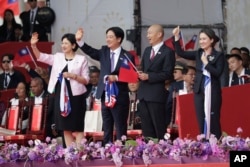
{"x":112,"y":58}
{"x":152,"y":56}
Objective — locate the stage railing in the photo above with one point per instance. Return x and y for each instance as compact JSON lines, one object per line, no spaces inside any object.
{"x":234,"y":112}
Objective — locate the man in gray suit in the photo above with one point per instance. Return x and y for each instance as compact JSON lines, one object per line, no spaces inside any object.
{"x":157,"y":66}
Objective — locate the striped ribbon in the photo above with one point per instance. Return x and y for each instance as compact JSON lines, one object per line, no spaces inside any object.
{"x":65,"y":106}
{"x":111,"y":91}
{"x":207,"y":102}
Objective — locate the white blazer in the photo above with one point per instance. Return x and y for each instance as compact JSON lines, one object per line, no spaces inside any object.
{"x":78,"y":66}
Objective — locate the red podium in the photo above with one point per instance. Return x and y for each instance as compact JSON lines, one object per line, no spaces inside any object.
{"x":234,"y":112}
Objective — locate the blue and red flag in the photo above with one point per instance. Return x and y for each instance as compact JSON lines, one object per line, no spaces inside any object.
{"x":169,"y":42}
{"x":127,"y":73}
{"x":191,"y":43}
{"x":65,"y":106}
{"x":22,"y":56}
{"x":9,"y":4}
{"x":111,"y":91}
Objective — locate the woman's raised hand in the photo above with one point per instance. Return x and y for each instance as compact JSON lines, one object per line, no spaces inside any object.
{"x":176,"y":31}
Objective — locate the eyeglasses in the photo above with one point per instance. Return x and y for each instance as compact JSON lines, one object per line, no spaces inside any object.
{"x":6,"y":61}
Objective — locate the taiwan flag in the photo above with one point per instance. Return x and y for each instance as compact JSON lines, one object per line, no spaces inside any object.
{"x":191,"y":43}
{"x":169,"y":42}
{"x":127,"y":73}
{"x":9,"y":4}
{"x":22,"y":56}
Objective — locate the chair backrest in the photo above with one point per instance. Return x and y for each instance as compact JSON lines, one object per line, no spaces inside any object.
{"x":13,"y":117}
{"x":37,"y":117}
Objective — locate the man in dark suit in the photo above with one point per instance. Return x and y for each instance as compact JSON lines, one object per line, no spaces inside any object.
{"x":94,"y":74}
{"x":10,"y":78}
{"x":31,"y":23}
{"x":111,"y":57}
{"x":157,"y":66}
{"x":238,"y":75}
{"x":39,"y":93}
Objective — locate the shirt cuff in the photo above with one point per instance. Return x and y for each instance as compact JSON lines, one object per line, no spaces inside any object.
{"x":80,"y":43}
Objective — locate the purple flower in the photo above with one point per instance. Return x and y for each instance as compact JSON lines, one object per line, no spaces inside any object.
{"x":32,"y":155}
{"x":48,"y":139}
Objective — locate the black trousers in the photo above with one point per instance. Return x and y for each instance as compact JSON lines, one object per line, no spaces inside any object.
{"x":153,"y":119}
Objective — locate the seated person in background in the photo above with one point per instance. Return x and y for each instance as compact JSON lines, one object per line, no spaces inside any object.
{"x":134,"y":120}
{"x":21,"y":95}
{"x":181,"y":86}
{"x":188,"y":78}
{"x":244,"y":53}
{"x":238,"y":74}
{"x":18,"y":33}
{"x":7,"y":30}
{"x":174,"y":88}
{"x":10,"y":77}
{"x":235,"y":50}
{"x":38,"y":90}
{"x":94,"y":74}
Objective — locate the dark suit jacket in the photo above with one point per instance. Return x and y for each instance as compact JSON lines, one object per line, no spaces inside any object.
{"x":103,"y":55}
{"x":174,"y":86}
{"x":215,"y":66}
{"x":3,"y":33}
{"x":40,"y":29}
{"x":235,"y":78}
{"x":14,"y":80}
{"x":159,"y":70}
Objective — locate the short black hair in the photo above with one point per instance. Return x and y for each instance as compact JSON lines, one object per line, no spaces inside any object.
{"x":93,"y":69}
{"x":245,"y":49}
{"x":237,"y":56}
{"x":9,"y":55}
{"x":119,"y":33}
{"x":72,"y":40}
{"x":185,"y":71}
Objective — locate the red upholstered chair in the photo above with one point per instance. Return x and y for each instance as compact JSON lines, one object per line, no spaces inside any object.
{"x":37,"y":121}
{"x":11,"y":131}
{"x":36,"y":127}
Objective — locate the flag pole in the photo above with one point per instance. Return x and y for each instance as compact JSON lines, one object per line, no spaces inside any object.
{"x":131,"y":62}
{"x":31,"y":56}
{"x":181,"y":34}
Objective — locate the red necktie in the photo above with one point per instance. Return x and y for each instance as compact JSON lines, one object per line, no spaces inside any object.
{"x":152,"y":56}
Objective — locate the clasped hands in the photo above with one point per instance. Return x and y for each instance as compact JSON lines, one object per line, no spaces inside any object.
{"x":142,"y":76}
